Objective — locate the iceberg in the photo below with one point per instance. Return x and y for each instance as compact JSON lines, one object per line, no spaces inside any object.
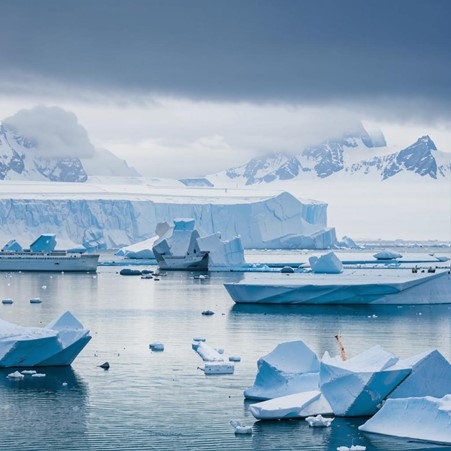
{"x":292,"y":367}
{"x":356,"y":386}
{"x":430,"y":376}
{"x":418,"y":418}
{"x":180,"y":247}
{"x":319,"y":421}
{"x":140,"y":250}
{"x":391,"y":286}
{"x":294,"y":384}
{"x":326,"y":264}
{"x":111,"y":216}
{"x":57,"y":344}
{"x":298,"y":405}
{"x":214,"y":360}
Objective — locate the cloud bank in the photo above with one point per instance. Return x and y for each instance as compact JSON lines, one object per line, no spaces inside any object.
{"x":312,"y":53}
{"x":55,"y":131}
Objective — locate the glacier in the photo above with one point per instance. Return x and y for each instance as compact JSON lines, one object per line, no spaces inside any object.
{"x":102,"y":216}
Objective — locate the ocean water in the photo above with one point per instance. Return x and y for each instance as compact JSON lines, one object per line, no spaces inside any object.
{"x":162,"y":400}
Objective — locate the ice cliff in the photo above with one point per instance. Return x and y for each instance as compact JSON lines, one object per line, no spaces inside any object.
{"x":102,"y":220}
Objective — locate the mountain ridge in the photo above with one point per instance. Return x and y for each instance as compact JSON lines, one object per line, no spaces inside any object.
{"x":348,"y":156}
{"x":21,"y":159}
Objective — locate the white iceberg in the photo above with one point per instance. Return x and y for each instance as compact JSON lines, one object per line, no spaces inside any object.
{"x":140,"y":250}
{"x":423,"y":418}
{"x":298,"y":405}
{"x":181,"y":247}
{"x":319,"y":421}
{"x":218,"y":367}
{"x":356,"y":386}
{"x":430,"y":376}
{"x":292,"y":367}
{"x":326,"y":264}
{"x":57,"y":344}
{"x":207,"y":353}
{"x":240,"y":428}
{"x":387,"y":255}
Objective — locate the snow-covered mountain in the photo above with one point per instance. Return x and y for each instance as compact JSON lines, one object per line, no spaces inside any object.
{"x":355,"y":154}
{"x":22,"y":158}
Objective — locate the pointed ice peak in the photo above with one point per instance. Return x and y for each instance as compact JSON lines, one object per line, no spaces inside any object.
{"x":426,"y":141}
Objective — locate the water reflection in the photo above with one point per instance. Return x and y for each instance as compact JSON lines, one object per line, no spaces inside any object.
{"x":404,"y":330}
{"x":35,"y":410}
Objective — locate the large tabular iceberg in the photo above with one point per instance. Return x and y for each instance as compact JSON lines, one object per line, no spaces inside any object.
{"x":57,"y":344}
{"x":110,"y":216}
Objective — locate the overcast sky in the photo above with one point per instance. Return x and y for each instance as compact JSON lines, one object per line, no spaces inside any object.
{"x":190,"y":87}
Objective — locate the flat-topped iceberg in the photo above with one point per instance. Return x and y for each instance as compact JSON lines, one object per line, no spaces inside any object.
{"x":298,"y":405}
{"x":424,"y":418}
{"x":57,"y":344}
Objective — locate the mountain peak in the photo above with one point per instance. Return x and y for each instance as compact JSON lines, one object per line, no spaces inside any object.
{"x":427,"y":142}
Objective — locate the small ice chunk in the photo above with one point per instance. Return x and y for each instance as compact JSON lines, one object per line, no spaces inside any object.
{"x":234,"y":358}
{"x":15,"y":375}
{"x":240,"y":428}
{"x":156,"y":346}
{"x":219,"y":368}
{"x":319,"y":421}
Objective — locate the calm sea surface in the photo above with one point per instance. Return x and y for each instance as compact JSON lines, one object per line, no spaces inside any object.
{"x":162,"y":400}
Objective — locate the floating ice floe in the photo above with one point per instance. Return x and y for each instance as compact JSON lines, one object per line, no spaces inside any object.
{"x":219,"y":368}
{"x":15,"y":375}
{"x":290,"y":368}
{"x":298,"y":405}
{"x":326,"y":264}
{"x":352,"y":448}
{"x":240,"y":428}
{"x":156,"y":346}
{"x":319,"y":421}
{"x":387,"y":255}
{"x":214,"y":359}
{"x":208,"y":354}
{"x":424,"y":418}
{"x":57,"y":344}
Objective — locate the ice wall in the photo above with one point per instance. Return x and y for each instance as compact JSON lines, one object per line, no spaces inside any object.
{"x":280,"y":221}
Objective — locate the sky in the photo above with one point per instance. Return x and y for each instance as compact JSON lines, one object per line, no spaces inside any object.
{"x":184,"y":88}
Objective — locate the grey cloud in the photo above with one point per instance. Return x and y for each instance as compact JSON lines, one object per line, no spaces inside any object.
{"x":322,"y":51}
{"x":56,"y":132}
